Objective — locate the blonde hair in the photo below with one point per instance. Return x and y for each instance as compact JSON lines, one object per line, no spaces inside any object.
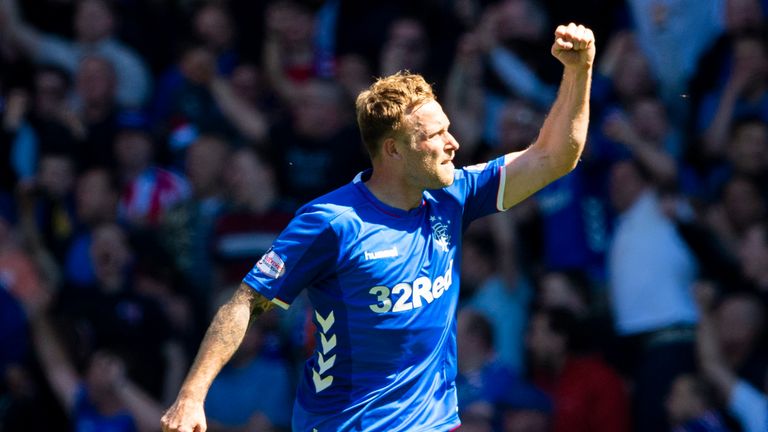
{"x":381,"y":109}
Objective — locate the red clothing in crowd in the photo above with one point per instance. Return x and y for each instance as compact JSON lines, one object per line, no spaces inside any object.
{"x":588,"y":396}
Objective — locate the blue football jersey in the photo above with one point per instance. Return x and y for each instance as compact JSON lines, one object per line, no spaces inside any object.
{"x":384,"y":286}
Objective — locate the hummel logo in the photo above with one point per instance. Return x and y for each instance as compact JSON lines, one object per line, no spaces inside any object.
{"x":387,"y":253}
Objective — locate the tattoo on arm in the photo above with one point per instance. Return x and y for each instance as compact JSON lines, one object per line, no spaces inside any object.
{"x":259,"y":304}
{"x":223,"y":337}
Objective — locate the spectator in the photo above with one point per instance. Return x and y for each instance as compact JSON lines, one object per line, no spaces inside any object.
{"x":186,"y":230}
{"x":663,"y":31}
{"x":753,"y":256}
{"x":13,"y":332}
{"x":94,"y":24}
{"x":47,"y":204}
{"x":646,"y":134}
{"x":740,"y":205}
{"x":650,"y":272}
{"x":253,"y":216}
{"x":573,"y":291}
{"x":747,"y":157}
{"x":202,"y":100}
{"x":95,"y":87}
{"x":510,"y":32}
{"x":744,"y":401}
{"x":406,"y":48}
{"x":245,"y":116}
{"x":501,"y":300}
{"x":565,"y":290}
{"x":353,"y":74}
{"x":289,"y":54}
{"x":23,"y":397}
{"x":147,"y":190}
{"x":465,"y":94}
{"x":320,"y":149}
{"x":624,"y":74}
{"x":49,"y":125}
{"x":112,"y":314}
{"x":740,"y":320}
{"x":482,"y":378}
{"x":743,"y":95}
{"x":691,"y":407}
{"x":96,"y":197}
{"x":525,"y":409}
{"x":11,"y":122}
{"x":587,"y":394}
{"x":232,"y":403}
{"x":18,"y":270}
{"x":742,"y":17}
{"x":104,"y":398}
{"x":213,"y":27}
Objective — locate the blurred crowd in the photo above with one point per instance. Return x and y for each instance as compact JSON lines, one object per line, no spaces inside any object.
{"x":151,"y":151}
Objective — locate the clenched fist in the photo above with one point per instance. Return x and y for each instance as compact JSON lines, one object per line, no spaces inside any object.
{"x":574,"y":46}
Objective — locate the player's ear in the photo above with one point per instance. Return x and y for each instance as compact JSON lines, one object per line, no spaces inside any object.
{"x":390,"y":149}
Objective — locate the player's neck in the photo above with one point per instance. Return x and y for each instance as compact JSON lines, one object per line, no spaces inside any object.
{"x":393,"y":190}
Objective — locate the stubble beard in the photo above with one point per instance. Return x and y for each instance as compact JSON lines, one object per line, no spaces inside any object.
{"x":440,"y":178}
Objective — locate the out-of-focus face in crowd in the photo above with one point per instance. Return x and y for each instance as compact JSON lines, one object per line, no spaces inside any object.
{"x":205,"y":162}
{"x":753,"y":254}
{"x":740,"y":322}
{"x":649,"y":118}
{"x":96,"y":82}
{"x":406,"y":47}
{"x":685,"y":400}
{"x":96,"y":198}
{"x":626,"y":185}
{"x":750,"y":62}
{"x":133,"y":149}
{"x":318,"y":109}
{"x":50,"y":92}
{"x":93,"y":21}
{"x":633,"y":77}
{"x":520,"y":20}
{"x":291,"y":23}
{"x":557,"y":291}
{"x":743,"y":203}
{"x":247,"y":176}
{"x":519,"y":124}
{"x":56,"y":175}
{"x":546,"y":347}
{"x":110,"y":254}
{"x":246,"y":81}
{"x":198,"y":65}
{"x":748,"y":148}
{"x":214,"y":27}
{"x":743,"y":15}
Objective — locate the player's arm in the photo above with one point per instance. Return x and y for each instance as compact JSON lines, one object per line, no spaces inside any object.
{"x":222,"y":339}
{"x":564,"y":133}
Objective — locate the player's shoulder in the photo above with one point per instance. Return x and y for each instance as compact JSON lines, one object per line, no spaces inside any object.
{"x":334,"y":207}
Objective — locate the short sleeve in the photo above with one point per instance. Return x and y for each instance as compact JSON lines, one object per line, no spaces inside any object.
{"x":480,"y":188}
{"x":303,"y":255}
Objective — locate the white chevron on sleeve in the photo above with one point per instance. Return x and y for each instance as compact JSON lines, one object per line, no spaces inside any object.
{"x":325,"y":364}
{"x":321,"y":383}
{"x":328,"y":344}
{"x":326,"y":322}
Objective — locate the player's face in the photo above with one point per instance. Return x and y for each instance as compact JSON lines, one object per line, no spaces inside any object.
{"x":429,"y":157}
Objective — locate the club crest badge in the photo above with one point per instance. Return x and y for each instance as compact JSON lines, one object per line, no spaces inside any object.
{"x":440,"y":232}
